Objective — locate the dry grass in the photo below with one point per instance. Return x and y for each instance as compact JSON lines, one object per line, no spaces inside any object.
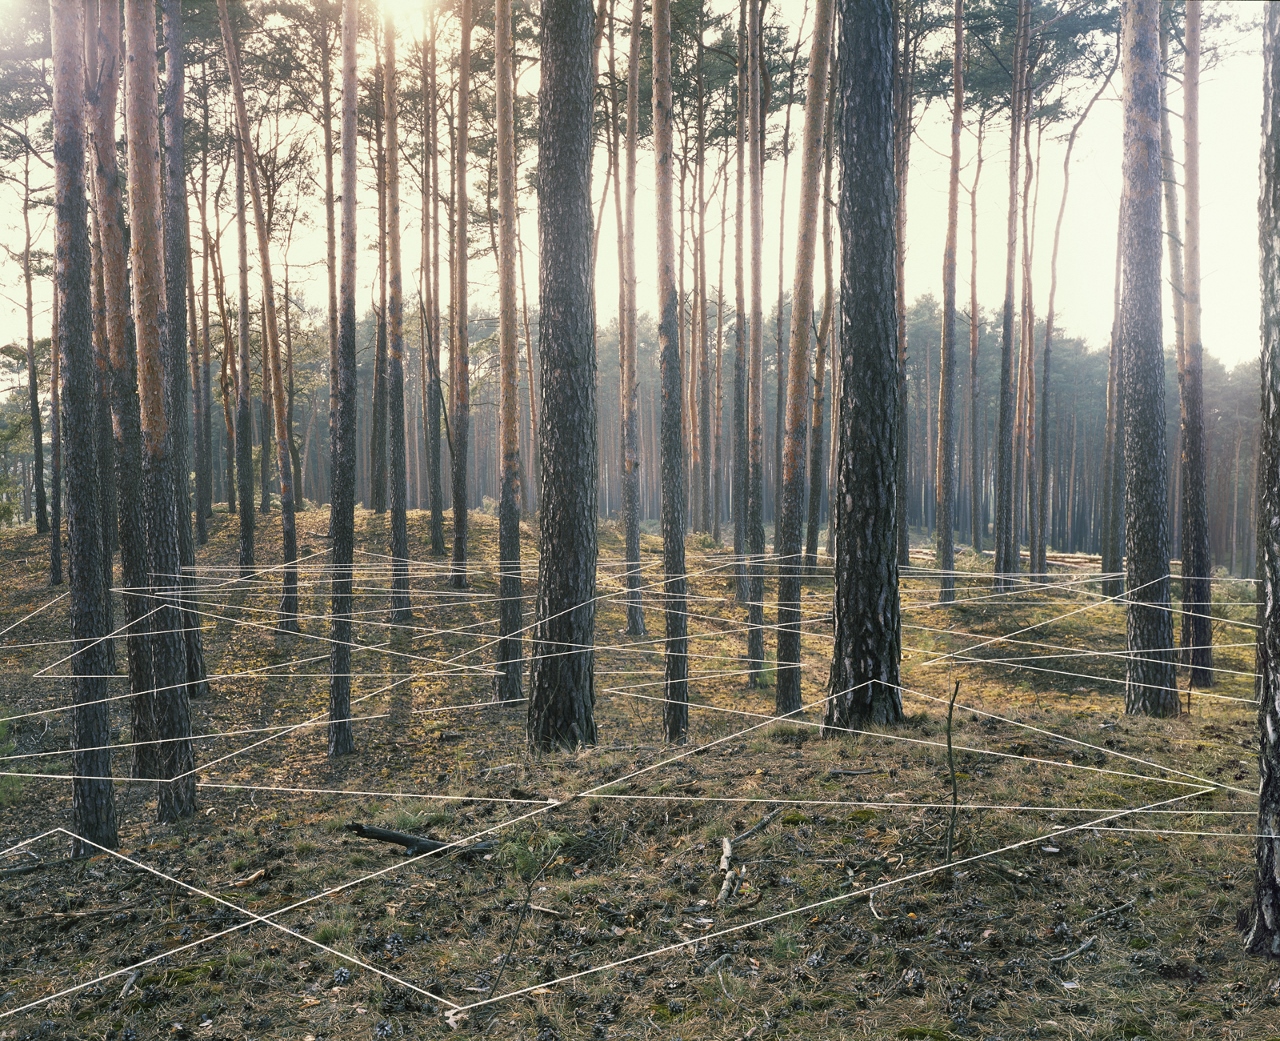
{"x":963,"y":953}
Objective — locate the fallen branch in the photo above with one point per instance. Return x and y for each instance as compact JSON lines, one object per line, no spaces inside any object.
{"x":416,"y":844}
{"x":1107,"y":914}
{"x":758,"y":827}
{"x":854,"y":773}
{"x":726,"y":857}
{"x":1076,"y":953}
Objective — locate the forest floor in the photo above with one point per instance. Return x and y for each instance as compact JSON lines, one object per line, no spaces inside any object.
{"x":1100,"y":863}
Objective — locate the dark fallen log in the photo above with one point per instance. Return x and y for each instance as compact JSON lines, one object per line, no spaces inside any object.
{"x":415,"y":845}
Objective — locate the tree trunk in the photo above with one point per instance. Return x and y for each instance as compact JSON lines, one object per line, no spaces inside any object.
{"x":93,"y":798}
{"x":562,"y":690}
{"x":977,"y":488}
{"x":945,"y":521}
{"x":33,"y":386}
{"x":864,"y":668}
{"x":396,"y":477}
{"x":159,"y":483}
{"x":1263,"y":934}
{"x":55,"y":444}
{"x":630,"y":388}
{"x":289,"y":598}
{"x":244,"y":401}
{"x":741,"y":467}
{"x":1197,"y":562}
{"x":507,"y":683}
{"x":343,"y":494}
{"x":1113,"y":447}
{"x":755,"y":376}
{"x":378,"y":414}
{"x":177,"y":259}
{"x":1006,"y":536}
{"x":434,"y":394}
{"x":791,"y":513}
{"x":459,"y":351}
{"x":127,"y":441}
{"x":675,"y":715}
{"x":818,"y":446}
{"x":1150,"y":678}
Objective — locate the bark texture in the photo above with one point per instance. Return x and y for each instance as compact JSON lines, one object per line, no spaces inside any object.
{"x":946,"y":476}
{"x":460,"y":342}
{"x":342,"y":515}
{"x":675,"y":713}
{"x":791,"y":515}
{"x":159,"y":485}
{"x":93,"y":797}
{"x":562,"y":691}
{"x":397,"y":477}
{"x":868,"y":641}
{"x":1150,"y":677}
{"x":1197,"y":562}
{"x":507,"y":683}
{"x":1263,"y":934}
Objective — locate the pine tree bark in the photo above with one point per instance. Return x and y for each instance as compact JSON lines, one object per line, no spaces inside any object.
{"x":507,"y":682}
{"x":288,"y":620}
{"x":945,"y":520}
{"x":675,"y":714}
{"x":819,"y":448}
{"x":865,"y":663}
{"x":460,"y":344}
{"x":1150,"y":677}
{"x":755,"y":375}
{"x":55,"y":463}
{"x":977,"y":487}
{"x":33,"y":385}
{"x":378,"y":414}
{"x":168,"y":646}
{"x":343,"y":495}
{"x":1197,"y":562}
{"x":125,"y":419}
{"x":397,"y":477}
{"x":562,"y":690}
{"x":244,"y":392}
{"x":93,"y":798}
{"x":434,"y":393}
{"x":1262,"y":937}
{"x":741,"y":465}
{"x":630,"y":389}
{"x":791,"y":508}
{"x":177,"y":258}
{"x":1006,"y":536}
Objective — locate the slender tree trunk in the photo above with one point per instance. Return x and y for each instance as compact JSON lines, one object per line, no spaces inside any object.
{"x":741,"y":465}
{"x":675,"y":716}
{"x":127,"y":441}
{"x":93,"y":798}
{"x":289,"y":599}
{"x":755,"y":378}
{"x":1113,"y":448}
{"x":461,"y":365}
{"x":507,"y":683}
{"x":945,"y":483}
{"x":168,"y":649}
{"x":1197,"y":626}
{"x":818,"y":447}
{"x":630,"y":384}
{"x":177,"y":260}
{"x":343,"y":494}
{"x":397,"y":477}
{"x":330,"y":224}
{"x":977,"y":522}
{"x":33,"y":386}
{"x":1150,"y":677}
{"x":378,"y":414}
{"x":1006,"y":536}
{"x":864,"y":668}
{"x":791,"y":514}
{"x":904,"y":107}
{"x":434,"y":394}
{"x":562,"y":688}
{"x":244,"y":402}
{"x":55,"y":446}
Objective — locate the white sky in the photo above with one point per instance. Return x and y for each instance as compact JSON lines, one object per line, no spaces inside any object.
{"x":1231,"y":103}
